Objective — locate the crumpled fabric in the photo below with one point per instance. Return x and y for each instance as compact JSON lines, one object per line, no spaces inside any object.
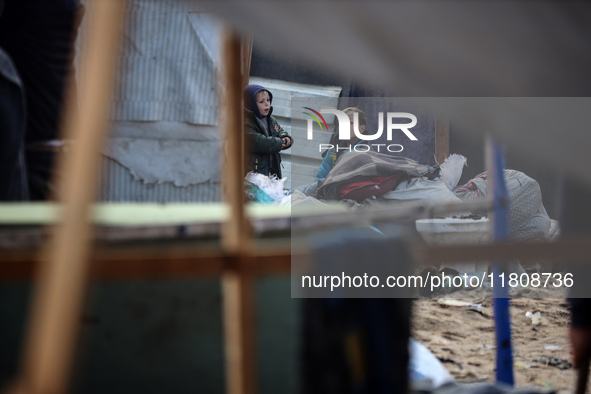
{"x":528,"y":219}
{"x":355,"y":166}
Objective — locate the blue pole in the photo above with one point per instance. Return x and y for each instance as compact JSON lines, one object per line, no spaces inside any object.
{"x":500,"y":289}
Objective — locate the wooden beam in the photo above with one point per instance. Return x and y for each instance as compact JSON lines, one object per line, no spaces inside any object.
{"x":246,"y":59}
{"x":235,"y":232}
{"x":239,"y":331}
{"x":117,"y":266}
{"x":441,"y":139}
{"x":163,"y":262}
{"x":237,"y":284}
{"x":57,"y":304}
{"x":562,"y":251}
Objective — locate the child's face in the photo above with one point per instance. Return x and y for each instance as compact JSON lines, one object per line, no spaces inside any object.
{"x":352,"y":123}
{"x":263,"y":102}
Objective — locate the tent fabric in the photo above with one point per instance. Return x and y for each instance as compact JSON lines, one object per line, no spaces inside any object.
{"x":430,"y":48}
{"x":443,"y":49}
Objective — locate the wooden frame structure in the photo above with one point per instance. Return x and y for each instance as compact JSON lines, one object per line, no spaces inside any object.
{"x":441,"y":139}
{"x":65,"y":263}
{"x":61,"y":281}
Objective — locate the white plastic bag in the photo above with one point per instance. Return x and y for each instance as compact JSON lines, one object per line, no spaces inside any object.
{"x":451,"y":170}
{"x":424,"y":365}
{"x":273,"y":186}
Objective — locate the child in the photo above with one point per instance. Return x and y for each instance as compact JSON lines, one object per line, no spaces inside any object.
{"x":265,"y":138}
{"x":333,"y":154}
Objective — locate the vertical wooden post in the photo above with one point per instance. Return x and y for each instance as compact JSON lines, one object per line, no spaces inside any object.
{"x":237,"y":283}
{"x":246,"y":59}
{"x":58,"y":300}
{"x":239,"y":332}
{"x":441,"y":138}
{"x":235,"y":234}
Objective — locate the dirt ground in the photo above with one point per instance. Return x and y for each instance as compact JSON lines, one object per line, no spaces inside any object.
{"x":463,"y":337}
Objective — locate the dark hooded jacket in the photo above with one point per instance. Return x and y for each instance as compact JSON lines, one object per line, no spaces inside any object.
{"x":263,"y":155}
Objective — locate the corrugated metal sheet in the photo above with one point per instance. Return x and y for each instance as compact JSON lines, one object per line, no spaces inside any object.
{"x":166,"y":93}
{"x":301,"y":162}
{"x":168,"y":63}
{"x":118,"y":185}
{"x":166,"y":69}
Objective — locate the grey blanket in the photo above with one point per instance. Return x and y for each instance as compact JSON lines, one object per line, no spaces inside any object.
{"x":354,"y":166}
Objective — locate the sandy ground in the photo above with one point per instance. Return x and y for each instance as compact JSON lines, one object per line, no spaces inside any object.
{"x":463,"y":337}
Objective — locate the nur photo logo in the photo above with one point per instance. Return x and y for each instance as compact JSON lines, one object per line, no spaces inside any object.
{"x":391,"y":119}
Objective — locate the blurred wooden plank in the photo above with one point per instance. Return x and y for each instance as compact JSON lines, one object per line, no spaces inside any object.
{"x":246,"y":49}
{"x":239,"y":331}
{"x":441,"y":139}
{"x":237,"y":283}
{"x":187,"y":260}
{"x":127,"y":215}
{"x":565,"y":250}
{"x":53,"y":324}
{"x":146,"y":263}
{"x":235,"y":232}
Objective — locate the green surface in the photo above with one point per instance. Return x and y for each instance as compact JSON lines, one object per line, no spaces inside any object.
{"x":147,"y":214}
{"x":162,"y":336}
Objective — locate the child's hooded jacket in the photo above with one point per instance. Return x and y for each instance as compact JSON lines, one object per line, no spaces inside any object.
{"x":264,"y":147}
